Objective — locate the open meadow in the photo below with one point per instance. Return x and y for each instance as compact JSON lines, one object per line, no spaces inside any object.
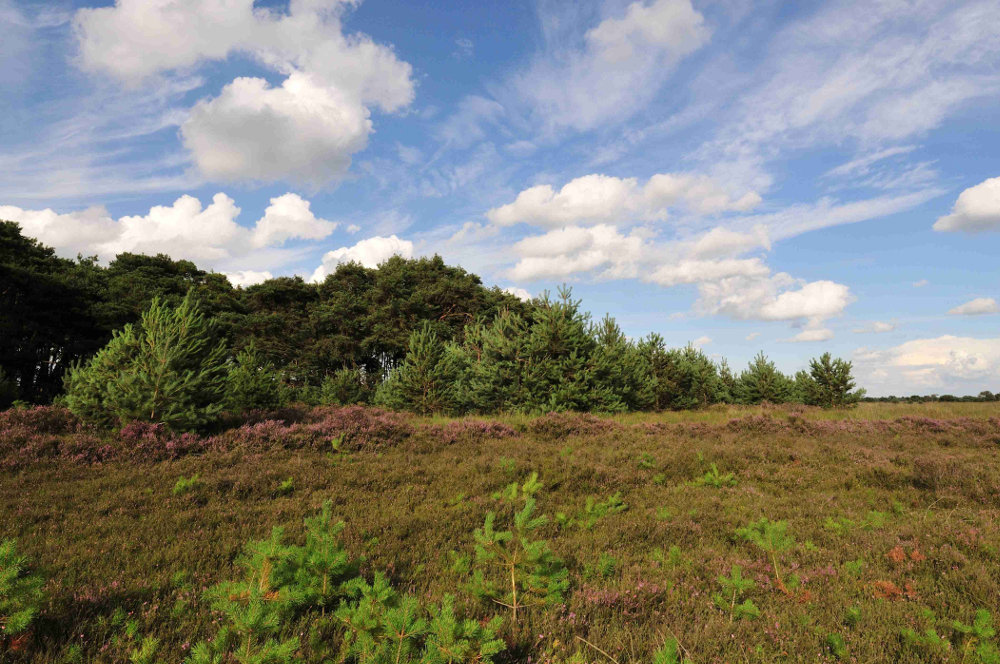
{"x":742,"y":534}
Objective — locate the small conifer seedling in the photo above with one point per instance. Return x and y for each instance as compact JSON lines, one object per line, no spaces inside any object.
{"x":20,"y":592}
{"x":513,"y":569}
{"x":733,"y":588}
{"x":771,"y":537}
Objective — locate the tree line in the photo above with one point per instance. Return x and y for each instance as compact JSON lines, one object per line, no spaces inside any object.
{"x":151,"y":338}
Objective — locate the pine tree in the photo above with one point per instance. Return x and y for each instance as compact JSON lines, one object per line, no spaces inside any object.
{"x":622,"y":378}
{"x":684,"y":377}
{"x":20,"y":592}
{"x":254,"y":383}
{"x":512,"y":568}
{"x":834,"y":385}
{"x":761,"y":381}
{"x":324,"y":572}
{"x":254,"y":609}
{"x":344,"y":387}
{"x":169,"y":368}
{"x":424,"y":383}
{"x":557,"y":354}
{"x":495,"y":359}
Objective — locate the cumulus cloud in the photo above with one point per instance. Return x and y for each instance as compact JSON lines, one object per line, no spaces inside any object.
{"x":977,"y":307}
{"x":369,"y":253}
{"x":920,"y":283}
{"x":977,"y":209}
{"x":875,"y":327}
{"x":702,"y":341}
{"x":752,"y":336}
{"x":815,"y":334}
{"x":601,"y":250}
{"x":519,"y":293}
{"x":943,"y":364}
{"x":289,"y":216}
{"x":300,"y":131}
{"x":244,"y":278}
{"x":603,"y":199}
{"x":622,"y":63}
{"x":304,"y":130}
{"x":773,"y":297}
{"x":208,"y":234}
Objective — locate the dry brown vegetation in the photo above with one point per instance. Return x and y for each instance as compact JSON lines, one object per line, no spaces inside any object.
{"x":892,"y":510}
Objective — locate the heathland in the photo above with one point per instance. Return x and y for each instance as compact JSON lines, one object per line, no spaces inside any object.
{"x":728,"y":534}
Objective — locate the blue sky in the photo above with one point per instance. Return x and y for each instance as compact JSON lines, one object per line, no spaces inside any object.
{"x":794,"y":177}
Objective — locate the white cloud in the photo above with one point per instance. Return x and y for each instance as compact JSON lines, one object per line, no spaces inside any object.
{"x":369,"y":253}
{"x":603,"y":199}
{"x":289,"y":216}
{"x":977,"y":307}
{"x":519,"y":293}
{"x":301,"y":132}
{"x":185,"y":229}
{"x":720,"y":242}
{"x":810,"y":335}
{"x":304,"y":130}
{"x":977,"y":209}
{"x":244,"y":278}
{"x":921,"y":283}
{"x":775,"y":297}
{"x":562,"y":253}
{"x":622,"y":63}
{"x":944,"y":364}
{"x":752,"y":336}
{"x":698,"y":271}
{"x":876,"y":327}
{"x":702,"y":341}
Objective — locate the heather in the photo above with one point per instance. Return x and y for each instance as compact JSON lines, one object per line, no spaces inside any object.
{"x":761,"y":534}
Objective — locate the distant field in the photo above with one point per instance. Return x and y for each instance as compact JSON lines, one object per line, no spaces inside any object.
{"x":892,"y":510}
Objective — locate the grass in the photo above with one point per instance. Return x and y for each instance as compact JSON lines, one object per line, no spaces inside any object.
{"x":889,"y":516}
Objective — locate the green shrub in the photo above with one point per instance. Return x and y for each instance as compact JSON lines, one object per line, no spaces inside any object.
{"x":186,"y":484}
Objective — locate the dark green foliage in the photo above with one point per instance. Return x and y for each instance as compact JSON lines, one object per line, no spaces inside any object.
{"x":762,"y":382}
{"x":557,"y":353}
{"x":48,"y":316}
{"x":169,"y":368}
{"x":20,"y":592}
{"x":8,"y":390}
{"x":623,"y":380}
{"x":684,"y":377}
{"x":254,"y":383}
{"x":345,"y":387}
{"x":832,"y":385}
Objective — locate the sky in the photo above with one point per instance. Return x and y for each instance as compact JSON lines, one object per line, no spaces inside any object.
{"x":743,"y":175}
